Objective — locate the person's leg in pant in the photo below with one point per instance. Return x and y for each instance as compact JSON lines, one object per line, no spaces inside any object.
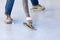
{"x":8,"y":10}
{"x":34,"y":2}
{"x":36,"y":5}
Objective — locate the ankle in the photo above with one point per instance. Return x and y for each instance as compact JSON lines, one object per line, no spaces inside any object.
{"x":28,"y":18}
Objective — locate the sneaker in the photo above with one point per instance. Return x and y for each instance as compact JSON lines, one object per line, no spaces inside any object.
{"x":29,"y":22}
{"x":38,"y":7}
{"x":8,"y":20}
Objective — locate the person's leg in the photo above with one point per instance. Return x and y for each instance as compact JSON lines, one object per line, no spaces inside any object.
{"x":36,"y":5}
{"x":8,"y":9}
{"x":34,"y":2}
{"x":26,"y":9}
